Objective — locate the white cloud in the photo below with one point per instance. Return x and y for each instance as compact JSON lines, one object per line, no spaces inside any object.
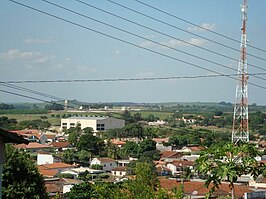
{"x":38,"y":41}
{"x":147,"y":44}
{"x":173,"y":43}
{"x":209,"y":26}
{"x":26,"y":56}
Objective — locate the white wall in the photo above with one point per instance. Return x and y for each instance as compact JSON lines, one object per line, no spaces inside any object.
{"x":45,"y":159}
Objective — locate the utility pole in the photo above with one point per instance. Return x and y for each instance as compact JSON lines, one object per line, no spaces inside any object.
{"x":240,"y":130}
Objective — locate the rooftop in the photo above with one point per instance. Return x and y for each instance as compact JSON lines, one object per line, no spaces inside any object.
{"x":89,"y":118}
{"x":32,"y":145}
{"x":9,"y":137}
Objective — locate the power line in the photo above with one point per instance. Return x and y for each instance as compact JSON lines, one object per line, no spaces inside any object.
{"x":126,"y":79}
{"x":170,"y":36}
{"x":191,"y":23}
{"x":183,"y":30}
{"x":127,"y":42}
{"x":136,"y":35}
{"x":30,"y":91}
{"x":26,"y":96}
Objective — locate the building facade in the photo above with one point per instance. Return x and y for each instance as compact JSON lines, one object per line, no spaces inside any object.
{"x":97,"y":123}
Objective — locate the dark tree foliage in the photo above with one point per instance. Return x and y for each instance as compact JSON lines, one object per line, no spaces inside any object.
{"x":21,"y":178}
{"x":54,"y":106}
{"x":6,"y":106}
{"x":34,"y":124}
{"x":8,"y":124}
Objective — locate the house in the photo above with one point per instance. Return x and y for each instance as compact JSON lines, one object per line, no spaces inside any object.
{"x":123,"y":163}
{"x":33,"y":135}
{"x":119,"y":171}
{"x":48,"y":173}
{"x":107,"y":163}
{"x":194,"y":150}
{"x":61,"y":146}
{"x":33,"y":147}
{"x":179,"y":167}
{"x":59,"y":186}
{"x":47,"y":158}
{"x":59,"y":166}
{"x":169,"y":156}
{"x":81,"y":170}
{"x":118,"y":143}
{"x":160,"y":144}
{"x":196,"y":189}
{"x":97,"y":123}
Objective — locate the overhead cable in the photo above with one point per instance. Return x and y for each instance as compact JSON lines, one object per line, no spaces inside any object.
{"x":165,"y":34}
{"x":127,"y":42}
{"x":183,"y":30}
{"x":125,"y":79}
{"x":141,"y":37}
{"x":196,"y":25}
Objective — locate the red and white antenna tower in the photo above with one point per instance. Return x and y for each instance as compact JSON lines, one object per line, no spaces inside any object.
{"x":240,"y":130}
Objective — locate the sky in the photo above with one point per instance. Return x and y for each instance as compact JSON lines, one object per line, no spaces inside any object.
{"x":35,"y":46}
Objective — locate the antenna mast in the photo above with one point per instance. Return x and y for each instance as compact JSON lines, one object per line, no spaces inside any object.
{"x":240,"y":130}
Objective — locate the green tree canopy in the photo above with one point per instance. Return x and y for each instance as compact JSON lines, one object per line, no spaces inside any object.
{"x":229,"y":162}
{"x":21,"y":178}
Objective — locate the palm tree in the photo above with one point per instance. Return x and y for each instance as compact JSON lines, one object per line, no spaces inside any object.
{"x":229,"y":162}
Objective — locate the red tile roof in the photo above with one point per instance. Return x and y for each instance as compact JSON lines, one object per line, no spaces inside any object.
{"x":57,"y":165}
{"x":32,"y":145}
{"x":171,"y":154}
{"x":196,"y":148}
{"x":117,"y":142}
{"x":60,"y":144}
{"x":119,"y":169}
{"x":50,"y":173}
{"x":160,"y":140}
{"x":183,"y":163}
{"x":105,"y":160}
{"x":199,"y":189}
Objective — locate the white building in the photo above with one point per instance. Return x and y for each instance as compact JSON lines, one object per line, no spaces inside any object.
{"x":98,"y":123}
{"x":107,"y":163}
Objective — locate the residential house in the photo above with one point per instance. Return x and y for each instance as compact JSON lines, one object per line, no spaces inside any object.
{"x":196,"y":189}
{"x":193,"y":150}
{"x":76,"y":172}
{"x":61,"y":146}
{"x":107,"y":163}
{"x":32,"y":135}
{"x":169,"y":156}
{"x":47,"y":158}
{"x":118,"y":143}
{"x":59,"y":166}
{"x":179,"y":167}
{"x":119,"y":171}
{"x":33,"y":147}
{"x":160,"y":144}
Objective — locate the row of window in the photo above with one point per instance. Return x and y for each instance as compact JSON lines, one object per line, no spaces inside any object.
{"x":100,"y":127}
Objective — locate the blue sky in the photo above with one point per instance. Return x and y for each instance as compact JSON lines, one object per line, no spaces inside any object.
{"x":38,"y":47}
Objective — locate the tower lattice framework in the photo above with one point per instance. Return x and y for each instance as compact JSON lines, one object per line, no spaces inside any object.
{"x":240,"y":130}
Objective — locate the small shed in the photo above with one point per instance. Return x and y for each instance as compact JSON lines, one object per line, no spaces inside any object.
{"x":7,"y":137}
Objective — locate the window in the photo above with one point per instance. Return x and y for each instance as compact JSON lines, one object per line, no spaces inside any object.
{"x":110,"y":164}
{"x":104,"y":165}
{"x":120,"y":172}
{"x":72,"y":124}
{"x":100,"y":127}
{"x":64,"y":124}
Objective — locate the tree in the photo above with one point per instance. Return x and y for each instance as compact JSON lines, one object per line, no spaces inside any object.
{"x":145,"y":183}
{"x":21,"y":178}
{"x":54,"y":106}
{"x":229,"y":162}
{"x":80,"y":191}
